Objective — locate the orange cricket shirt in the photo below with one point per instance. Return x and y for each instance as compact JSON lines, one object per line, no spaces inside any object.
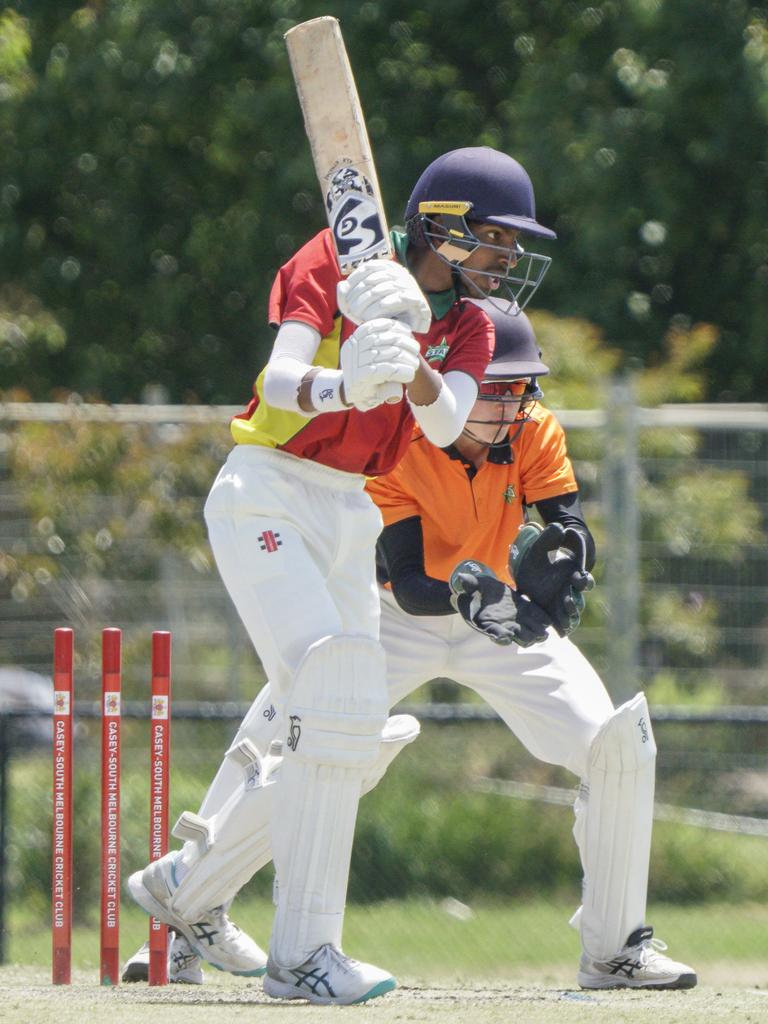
{"x":478,"y":517}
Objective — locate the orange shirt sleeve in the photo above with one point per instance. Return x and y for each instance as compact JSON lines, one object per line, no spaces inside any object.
{"x":390,"y":493}
{"x":545,"y":470}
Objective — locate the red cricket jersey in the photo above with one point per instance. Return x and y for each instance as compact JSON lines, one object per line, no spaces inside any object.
{"x":369,"y":443}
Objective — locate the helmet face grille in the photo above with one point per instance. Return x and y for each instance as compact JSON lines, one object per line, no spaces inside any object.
{"x":512,"y":288}
{"x":511,"y":418}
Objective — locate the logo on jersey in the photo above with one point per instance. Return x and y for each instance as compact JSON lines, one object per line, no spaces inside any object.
{"x":295,"y":733}
{"x":355,"y":218}
{"x":269,"y":541}
{"x":437,"y":353}
{"x":509,"y":494}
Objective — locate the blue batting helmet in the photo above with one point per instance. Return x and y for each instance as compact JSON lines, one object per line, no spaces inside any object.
{"x":495,"y":184}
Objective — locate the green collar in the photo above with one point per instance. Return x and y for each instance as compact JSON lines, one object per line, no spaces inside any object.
{"x":439,"y":302}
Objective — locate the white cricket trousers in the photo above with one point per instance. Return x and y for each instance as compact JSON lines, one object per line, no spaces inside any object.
{"x":294,"y":542}
{"x":549,"y":695}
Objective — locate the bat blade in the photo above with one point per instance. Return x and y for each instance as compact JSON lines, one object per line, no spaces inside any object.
{"x":338,"y":138}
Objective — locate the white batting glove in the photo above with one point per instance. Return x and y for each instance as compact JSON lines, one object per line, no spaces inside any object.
{"x":389,"y":392}
{"x":383,"y":288}
{"x":379,"y":352}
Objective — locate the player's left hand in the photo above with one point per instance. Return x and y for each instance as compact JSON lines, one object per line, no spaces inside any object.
{"x":494,"y":608}
{"x":549,"y":565}
{"x":383,"y":288}
{"x":378,"y":352}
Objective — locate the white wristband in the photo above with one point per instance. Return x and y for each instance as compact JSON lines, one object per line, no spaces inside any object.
{"x":325,"y":393}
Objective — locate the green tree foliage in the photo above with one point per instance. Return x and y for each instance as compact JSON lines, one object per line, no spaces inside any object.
{"x":105,"y":501}
{"x":154,"y":171}
{"x":698,"y":521}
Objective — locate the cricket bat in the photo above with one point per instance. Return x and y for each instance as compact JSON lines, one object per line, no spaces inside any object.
{"x":338,"y":138}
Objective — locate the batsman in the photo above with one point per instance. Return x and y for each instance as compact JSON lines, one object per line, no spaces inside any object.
{"x":459,"y":601}
{"x":356,"y":361}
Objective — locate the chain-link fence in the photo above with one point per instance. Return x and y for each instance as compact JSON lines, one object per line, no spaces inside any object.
{"x":101,"y":524}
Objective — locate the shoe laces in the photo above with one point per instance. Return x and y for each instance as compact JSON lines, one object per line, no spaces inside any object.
{"x":218,"y":916}
{"x":345,"y":962}
{"x":650,"y":950}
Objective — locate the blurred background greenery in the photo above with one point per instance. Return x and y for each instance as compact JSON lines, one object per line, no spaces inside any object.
{"x":154,"y":172}
{"x":446,"y":881}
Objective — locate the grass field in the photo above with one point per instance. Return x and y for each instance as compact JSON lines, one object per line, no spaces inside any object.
{"x":505,"y":963}
{"x":25,"y":997}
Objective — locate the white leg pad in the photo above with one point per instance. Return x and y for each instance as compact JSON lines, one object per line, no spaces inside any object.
{"x":614,"y":821}
{"x":259,"y":727}
{"x":223,"y":852}
{"x":335,"y":714}
{"x":398,"y":732}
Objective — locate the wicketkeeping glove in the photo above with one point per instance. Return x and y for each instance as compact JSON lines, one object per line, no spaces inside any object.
{"x":494,"y":608}
{"x":383,"y":288}
{"x":549,"y":566}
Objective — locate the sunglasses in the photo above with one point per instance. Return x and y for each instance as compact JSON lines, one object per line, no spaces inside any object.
{"x":504,"y":388}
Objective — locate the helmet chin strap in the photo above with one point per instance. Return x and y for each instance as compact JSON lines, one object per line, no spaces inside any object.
{"x":456,"y":281}
{"x":507,"y":437}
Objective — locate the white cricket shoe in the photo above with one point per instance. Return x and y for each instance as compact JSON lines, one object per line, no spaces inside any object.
{"x":328,"y":977}
{"x":213,"y":937}
{"x":640,"y":964}
{"x":183,"y":963}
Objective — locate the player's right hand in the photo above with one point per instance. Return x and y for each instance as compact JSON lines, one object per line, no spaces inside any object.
{"x":378,"y":394}
{"x":494,"y":608}
{"x":549,"y":565}
{"x":383,"y":288}
{"x":379,"y":352}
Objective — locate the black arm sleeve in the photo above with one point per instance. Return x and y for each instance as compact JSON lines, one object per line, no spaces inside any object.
{"x":566,"y":510}
{"x":400,"y":561}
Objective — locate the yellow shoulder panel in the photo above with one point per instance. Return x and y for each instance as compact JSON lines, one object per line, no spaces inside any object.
{"x":272,"y":427}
